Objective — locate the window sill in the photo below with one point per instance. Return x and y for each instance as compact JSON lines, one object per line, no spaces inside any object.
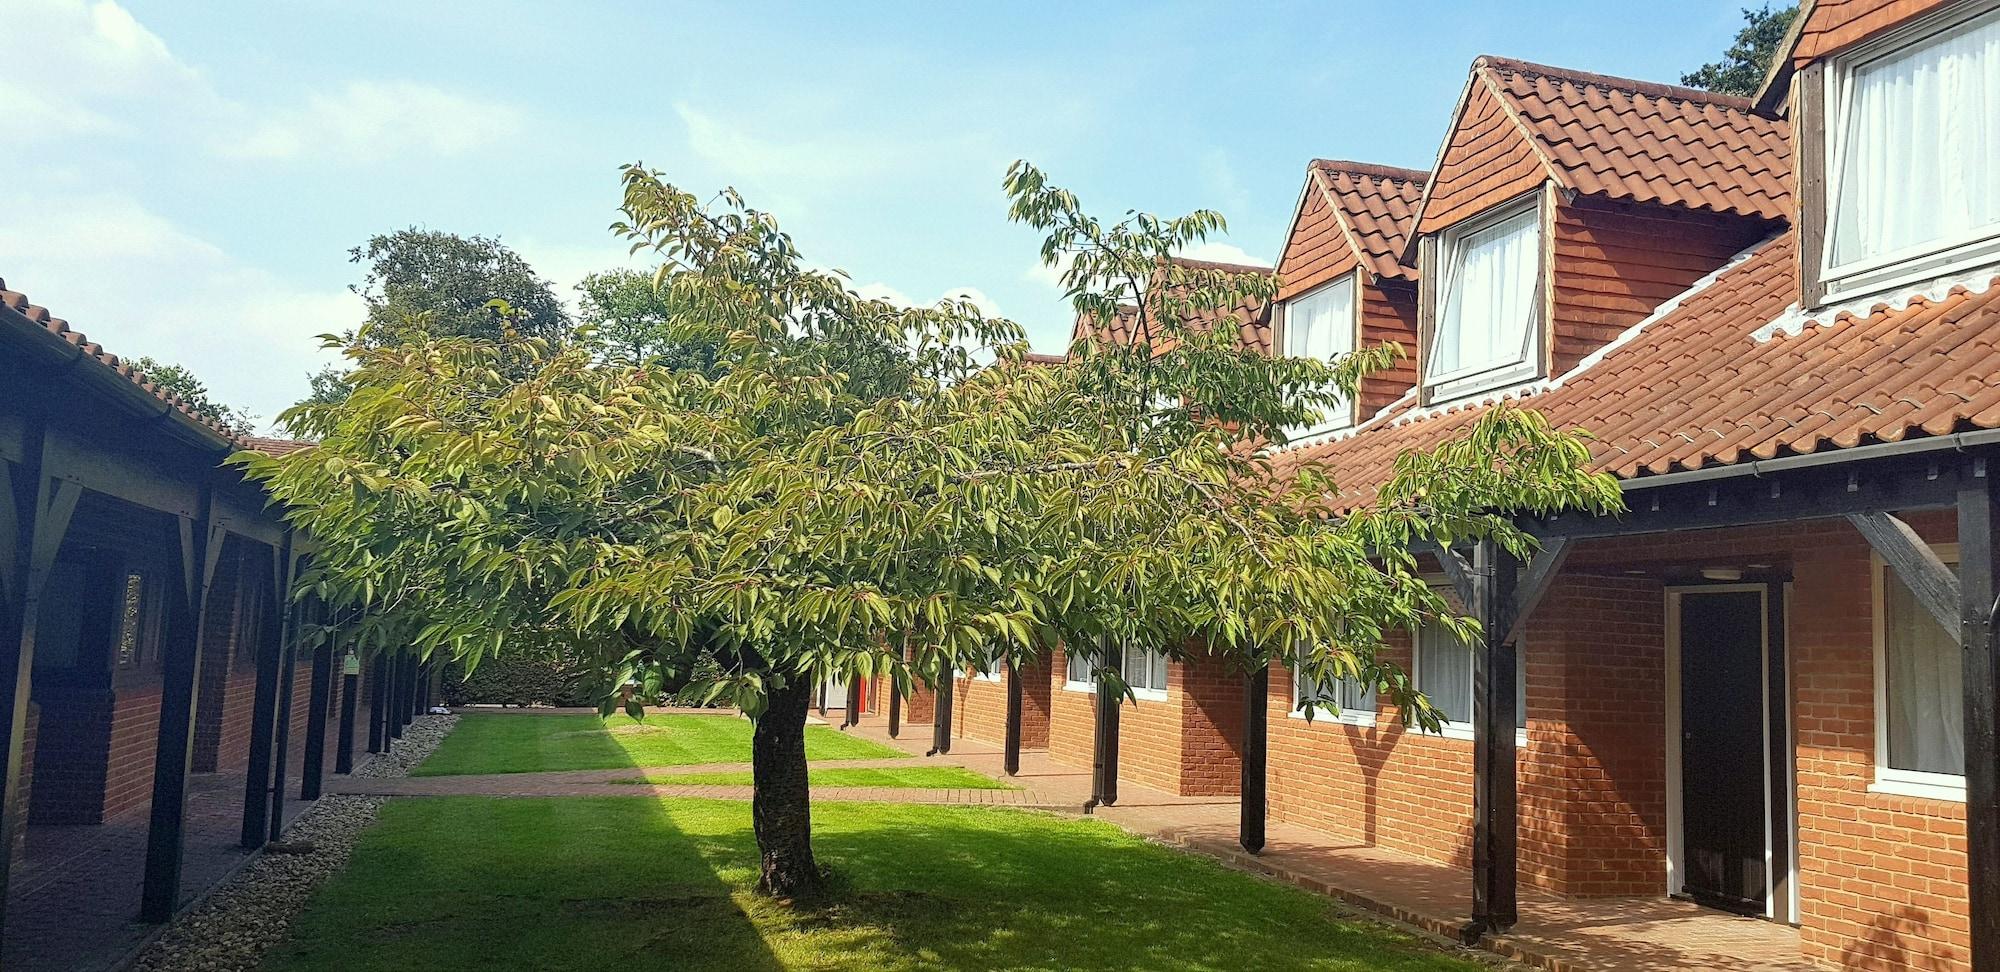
{"x":1150,"y":695}
{"x":982,"y":677}
{"x":1463,"y":731}
{"x":1950,"y":791}
{"x":1365,"y":720}
{"x":1088,"y":688}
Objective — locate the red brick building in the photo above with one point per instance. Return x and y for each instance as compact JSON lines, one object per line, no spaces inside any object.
{"x":148,"y":639}
{"x":1770,"y":685}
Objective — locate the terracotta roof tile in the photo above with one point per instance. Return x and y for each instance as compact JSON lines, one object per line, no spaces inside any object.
{"x":1253,"y":318}
{"x":1695,"y":387}
{"x":1648,"y":142}
{"x":26,"y":314}
{"x":1377,"y":205}
{"x":284,"y":447}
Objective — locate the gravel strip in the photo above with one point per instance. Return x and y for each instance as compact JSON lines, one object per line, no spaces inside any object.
{"x":231,"y":929}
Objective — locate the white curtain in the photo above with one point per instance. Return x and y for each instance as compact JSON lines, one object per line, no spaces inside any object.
{"x":1926,"y":686}
{"x":1321,"y":325}
{"x":1349,"y":697}
{"x":1918,"y":144}
{"x":1486,"y":313}
{"x":1082,"y":667}
{"x":1145,"y":669}
{"x":1444,"y":672}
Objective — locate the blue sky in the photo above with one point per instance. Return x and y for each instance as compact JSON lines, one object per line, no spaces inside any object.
{"x":184,"y":180}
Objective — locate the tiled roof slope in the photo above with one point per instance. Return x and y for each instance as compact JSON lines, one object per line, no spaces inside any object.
{"x":1621,"y":139}
{"x":275,"y":447}
{"x":1693,"y":389}
{"x":1647,"y":142}
{"x":1253,"y":318}
{"x":20,"y":313}
{"x":1830,"y":25}
{"x":1377,"y":206}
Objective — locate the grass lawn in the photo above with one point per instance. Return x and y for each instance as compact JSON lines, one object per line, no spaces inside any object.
{"x":912,"y":777}
{"x":491,"y":743}
{"x":629,"y":884}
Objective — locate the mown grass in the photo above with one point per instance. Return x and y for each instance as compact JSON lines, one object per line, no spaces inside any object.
{"x":638,"y":884}
{"x":493,"y":743}
{"x":908,"y":777}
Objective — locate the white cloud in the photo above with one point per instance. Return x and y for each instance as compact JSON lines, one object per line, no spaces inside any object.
{"x":140,"y":285}
{"x":93,"y":64}
{"x":819,"y":159}
{"x":977,"y":297}
{"x":367,"y":121}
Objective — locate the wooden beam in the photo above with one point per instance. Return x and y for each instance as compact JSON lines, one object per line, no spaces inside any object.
{"x":947,"y":691}
{"x":288,"y":667}
{"x":318,"y":708}
{"x":1979,"y":583}
{"x":1536,"y":582}
{"x":378,"y":708}
{"x":1457,"y":571}
{"x":144,"y":481}
{"x":1256,"y":749}
{"x":1104,"y":739}
{"x":895,"y":707}
{"x":1495,"y":576}
{"x":350,"y":699}
{"x":173,"y":754}
{"x":1010,"y":750}
{"x":25,"y":489}
{"x":264,"y":703}
{"x":1915,"y":563}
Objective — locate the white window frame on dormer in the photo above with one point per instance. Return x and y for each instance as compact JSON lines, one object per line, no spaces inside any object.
{"x":1522,"y":215}
{"x":1299,"y":345}
{"x":1917,"y":262}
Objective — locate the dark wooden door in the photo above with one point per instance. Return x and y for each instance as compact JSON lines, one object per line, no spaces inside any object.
{"x":1722,"y":749}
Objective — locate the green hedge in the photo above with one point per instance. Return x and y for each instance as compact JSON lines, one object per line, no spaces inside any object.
{"x":519,"y":678}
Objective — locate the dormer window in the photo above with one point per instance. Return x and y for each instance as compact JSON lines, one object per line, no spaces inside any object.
{"x":1321,"y":324}
{"x":1488,"y":305}
{"x":1911,"y":133}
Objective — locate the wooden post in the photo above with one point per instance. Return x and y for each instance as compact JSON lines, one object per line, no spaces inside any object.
{"x":378,"y":705}
{"x":1010,"y":760}
{"x":1978,"y":548}
{"x":947,"y":691}
{"x":393,"y":708}
{"x":318,"y":705}
{"x":350,"y":698}
{"x":1256,"y":713}
{"x":34,"y":514}
{"x":264,"y":704}
{"x":173,"y":753}
{"x":852,"y":714}
{"x":895,"y":708}
{"x":1494,"y":577}
{"x":1104,"y":741}
{"x":288,"y":668}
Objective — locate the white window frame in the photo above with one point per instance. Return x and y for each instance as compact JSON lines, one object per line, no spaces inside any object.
{"x":994,"y":668}
{"x":1089,"y":686}
{"x":1467,"y":730}
{"x":1341,"y":417}
{"x":1467,"y":382}
{"x":1888,"y":779}
{"x":1912,"y":264}
{"x":1070,"y":682}
{"x":1353,"y":716}
{"x":1148,"y":693}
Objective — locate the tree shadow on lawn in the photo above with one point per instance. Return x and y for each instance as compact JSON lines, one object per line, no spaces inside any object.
{"x":974,"y":888}
{"x":526,"y":883}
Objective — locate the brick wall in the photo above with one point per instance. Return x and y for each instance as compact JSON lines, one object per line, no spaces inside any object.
{"x":1183,"y":744}
{"x":73,"y":734}
{"x":220,"y":623}
{"x":979,"y":708}
{"x":135,"y":733}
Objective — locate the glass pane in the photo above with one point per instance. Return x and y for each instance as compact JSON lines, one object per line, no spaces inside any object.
{"x":1925,"y":676}
{"x":1159,"y":666}
{"x":1486,"y":316}
{"x":1919,"y":131}
{"x":1444,"y":672}
{"x":1079,"y":664}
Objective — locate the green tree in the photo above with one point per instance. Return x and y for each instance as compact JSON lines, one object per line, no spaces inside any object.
{"x":632,"y":322}
{"x":183,"y":384}
{"x":853,"y":491}
{"x":1742,"y":68}
{"x":445,"y":284}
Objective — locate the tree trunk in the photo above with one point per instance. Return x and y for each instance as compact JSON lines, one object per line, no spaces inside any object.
{"x":781,"y":808}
